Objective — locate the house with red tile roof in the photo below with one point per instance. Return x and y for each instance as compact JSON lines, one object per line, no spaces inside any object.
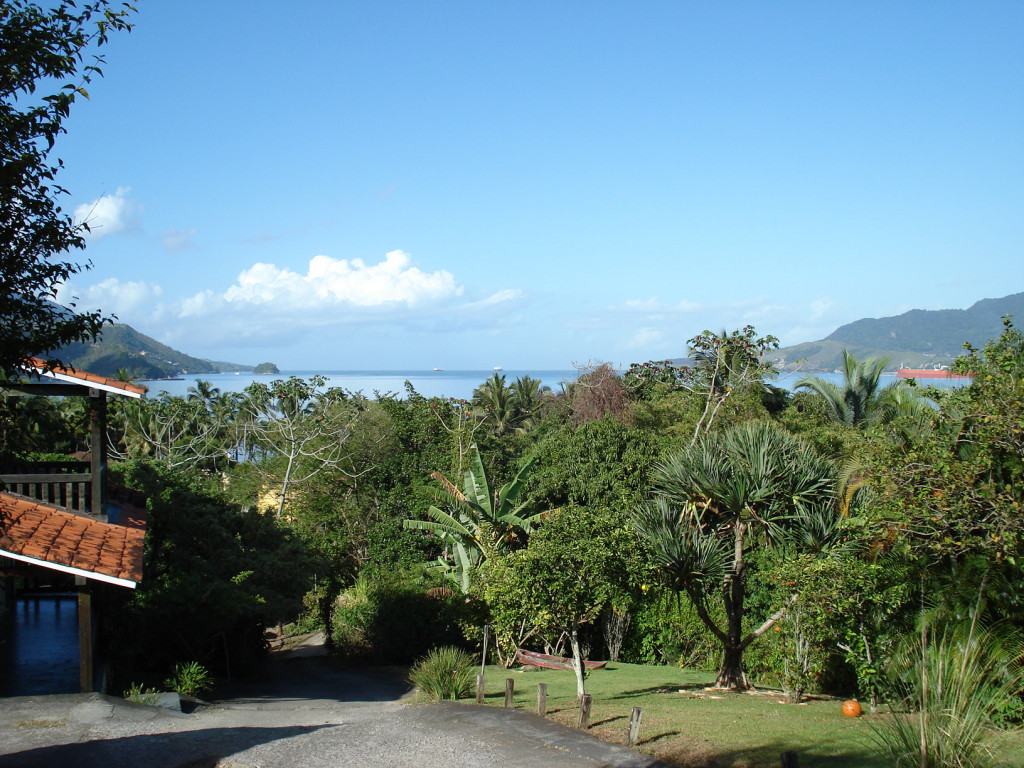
{"x":61,"y":518}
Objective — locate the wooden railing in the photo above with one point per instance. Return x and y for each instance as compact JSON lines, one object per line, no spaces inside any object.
{"x":66,"y":484}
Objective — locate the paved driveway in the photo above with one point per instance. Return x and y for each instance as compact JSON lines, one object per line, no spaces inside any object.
{"x":306,"y":712}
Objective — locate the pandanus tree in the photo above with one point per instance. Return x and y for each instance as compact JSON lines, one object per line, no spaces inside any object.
{"x":713,"y":502}
{"x":477,"y":525}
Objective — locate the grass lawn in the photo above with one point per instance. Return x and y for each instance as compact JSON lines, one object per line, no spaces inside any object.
{"x":689,"y":726}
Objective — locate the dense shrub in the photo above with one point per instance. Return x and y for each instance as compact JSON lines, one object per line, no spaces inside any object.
{"x":391,"y":621}
{"x":214,"y":578}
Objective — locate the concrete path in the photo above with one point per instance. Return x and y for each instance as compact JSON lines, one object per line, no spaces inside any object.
{"x":305,"y":712}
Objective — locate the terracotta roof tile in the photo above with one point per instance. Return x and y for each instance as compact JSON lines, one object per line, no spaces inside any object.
{"x":40,"y":364}
{"x":52,"y":535}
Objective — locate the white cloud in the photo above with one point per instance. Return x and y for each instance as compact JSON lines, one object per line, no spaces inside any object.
{"x":108,"y":215}
{"x":114,"y":297}
{"x":331,"y":282}
{"x":269,"y":305}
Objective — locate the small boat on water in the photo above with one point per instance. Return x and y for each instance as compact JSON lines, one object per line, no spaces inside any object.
{"x":547,"y":661}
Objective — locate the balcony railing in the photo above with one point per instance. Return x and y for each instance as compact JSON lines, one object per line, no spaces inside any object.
{"x":66,"y":484}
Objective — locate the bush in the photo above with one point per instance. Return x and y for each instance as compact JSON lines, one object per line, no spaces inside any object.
{"x":395,"y":622}
{"x":445,"y":673}
{"x":190,"y":679}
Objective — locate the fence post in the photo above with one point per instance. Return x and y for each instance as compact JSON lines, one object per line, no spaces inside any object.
{"x":790,"y":760}
{"x":584,"y":721}
{"x":510,"y":686}
{"x":479,"y":689}
{"x":542,"y":699}
{"x":633,"y":735}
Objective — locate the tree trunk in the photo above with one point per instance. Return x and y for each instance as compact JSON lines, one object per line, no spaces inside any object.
{"x":731,"y":674}
{"x":577,"y":662}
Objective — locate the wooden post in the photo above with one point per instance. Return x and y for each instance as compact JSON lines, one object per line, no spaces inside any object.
{"x":633,"y":735}
{"x":84,"y":635}
{"x":479,"y":689}
{"x":98,"y":453}
{"x":542,"y":699}
{"x":790,"y":760}
{"x":585,"y":701}
{"x":510,"y":686}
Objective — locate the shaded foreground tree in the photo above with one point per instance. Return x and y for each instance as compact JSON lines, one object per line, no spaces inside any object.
{"x":752,"y":485}
{"x":40,"y":46}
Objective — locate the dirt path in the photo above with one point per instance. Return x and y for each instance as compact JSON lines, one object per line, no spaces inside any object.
{"x":305,"y":711}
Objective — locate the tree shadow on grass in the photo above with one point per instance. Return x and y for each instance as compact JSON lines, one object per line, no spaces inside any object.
{"x":664,"y":688}
{"x":694,"y":754}
{"x":203,"y":748}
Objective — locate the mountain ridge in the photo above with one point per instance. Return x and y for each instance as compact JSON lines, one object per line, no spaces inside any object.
{"x":917,"y":338}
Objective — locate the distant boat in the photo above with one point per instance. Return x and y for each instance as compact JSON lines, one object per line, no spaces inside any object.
{"x":930,"y":373}
{"x":498,"y":368}
{"x":438,"y":369}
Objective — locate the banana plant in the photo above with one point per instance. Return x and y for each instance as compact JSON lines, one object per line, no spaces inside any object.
{"x":475,"y":524}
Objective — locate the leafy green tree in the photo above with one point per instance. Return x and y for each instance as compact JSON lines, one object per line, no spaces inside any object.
{"x":752,"y":485}
{"x":574,"y":566}
{"x":861,"y":400}
{"x":42,"y":46}
{"x":477,"y":525}
{"x":957,"y":489}
{"x":214,"y":578}
{"x":725,"y":363}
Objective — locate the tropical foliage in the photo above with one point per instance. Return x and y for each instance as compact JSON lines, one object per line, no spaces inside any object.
{"x":753,"y":485}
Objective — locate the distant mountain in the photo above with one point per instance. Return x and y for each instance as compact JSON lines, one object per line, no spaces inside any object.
{"x":121,"y":346}
{"x":915,"y":339}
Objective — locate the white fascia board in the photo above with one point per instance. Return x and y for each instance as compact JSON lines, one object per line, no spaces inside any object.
{"x":69,"y":569}
{"x":88,"y":384}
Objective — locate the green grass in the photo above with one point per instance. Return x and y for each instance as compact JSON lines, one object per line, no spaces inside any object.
{"x":689,"y":726}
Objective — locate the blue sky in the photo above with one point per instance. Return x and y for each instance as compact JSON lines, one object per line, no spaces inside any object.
{"x":352,"y":185}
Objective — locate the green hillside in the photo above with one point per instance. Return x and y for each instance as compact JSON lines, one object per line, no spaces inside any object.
{"x":121,"y":346}
{"x":916,"y":339}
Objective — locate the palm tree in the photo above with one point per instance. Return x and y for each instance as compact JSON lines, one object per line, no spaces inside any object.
{"x":528,"y":397}
{"x":861,"y":401}
{"x":753,"y":484}
{"x":496,"y":399}
{"x":477,"y":525}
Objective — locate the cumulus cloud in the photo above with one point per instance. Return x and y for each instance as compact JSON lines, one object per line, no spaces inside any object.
{"x":108,"y":214}
{"x":269,"y":305}
{"x":330,"y":282}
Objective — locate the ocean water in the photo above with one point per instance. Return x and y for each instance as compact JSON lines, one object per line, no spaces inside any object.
{"x":456,"y":384}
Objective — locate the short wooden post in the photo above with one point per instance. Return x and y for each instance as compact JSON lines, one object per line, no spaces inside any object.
{"x":790,"y":760}
{"x":479,"y":689}
{"x":510,"y":687}
{"x":542,"y":699}
{"x":84,"y":635}
{"x":633,"y":735}
{"x":585,"y":701}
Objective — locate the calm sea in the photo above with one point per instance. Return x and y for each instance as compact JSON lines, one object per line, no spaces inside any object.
{"x":457,"y":384}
